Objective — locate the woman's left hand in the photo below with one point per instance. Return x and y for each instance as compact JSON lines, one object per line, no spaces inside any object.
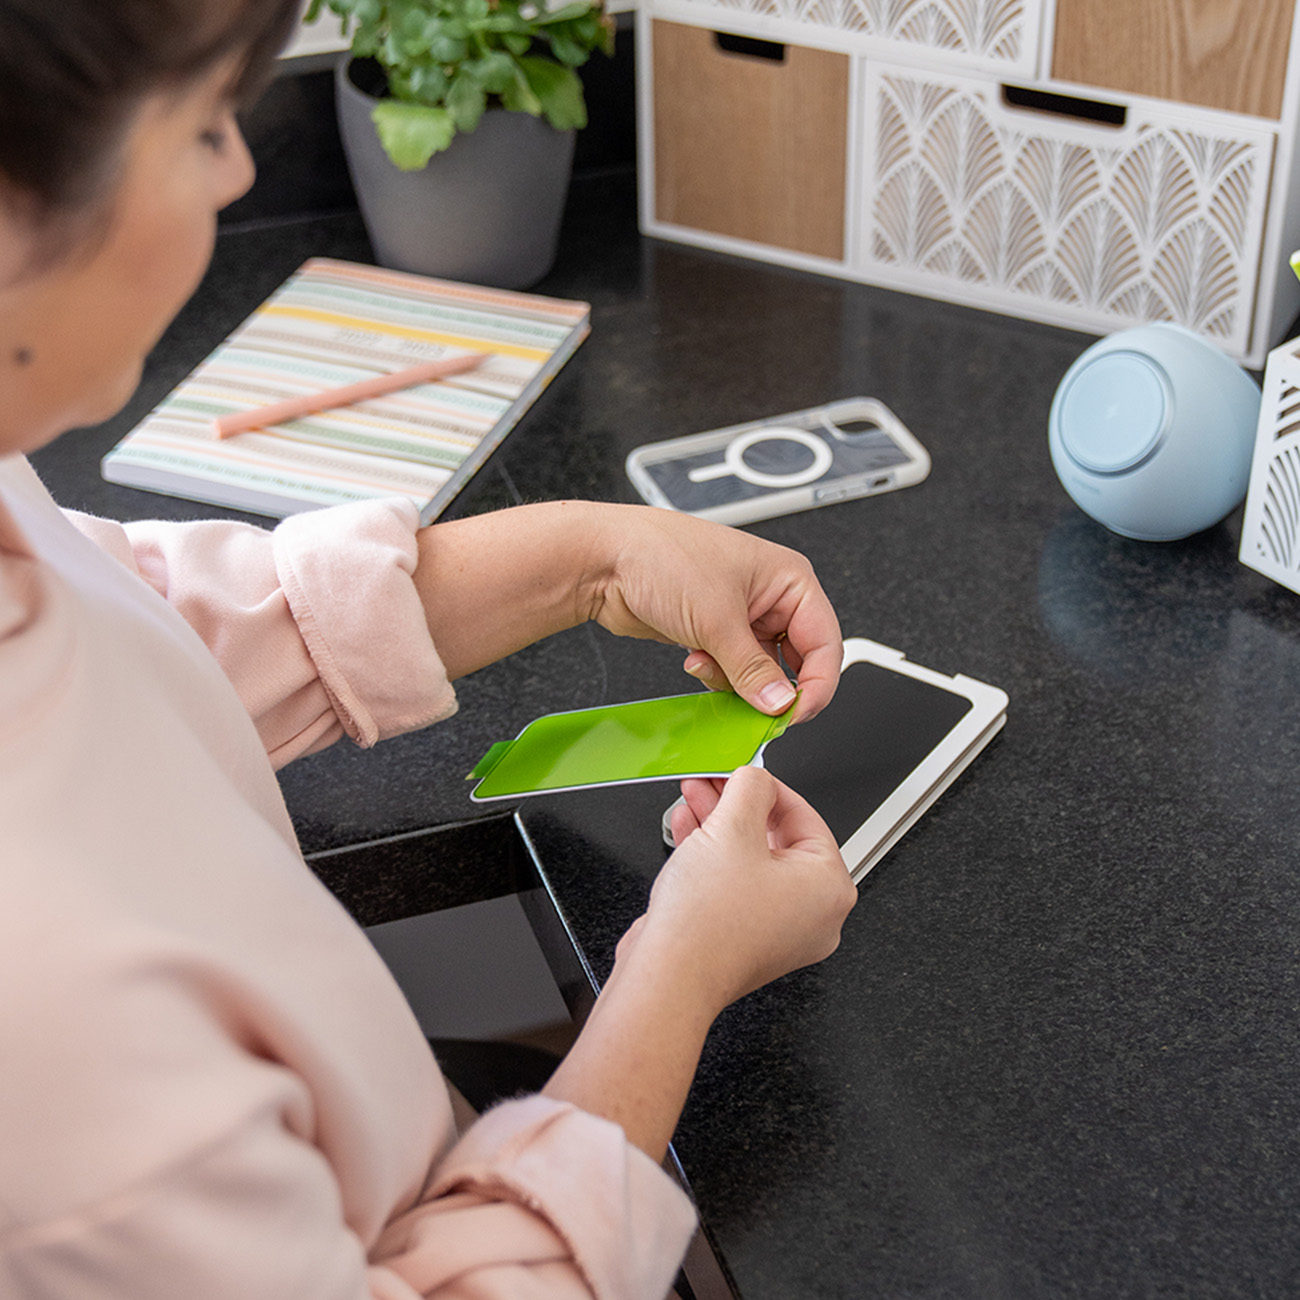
{"x":492,"y":584}
{"x":737,"y":603}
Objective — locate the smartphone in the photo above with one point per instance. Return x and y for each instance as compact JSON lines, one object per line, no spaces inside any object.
{"x":895,"y":736}
{"x":853,"y":448}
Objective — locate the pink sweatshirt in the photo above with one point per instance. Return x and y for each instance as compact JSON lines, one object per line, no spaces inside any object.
{"x":210,"y":1087}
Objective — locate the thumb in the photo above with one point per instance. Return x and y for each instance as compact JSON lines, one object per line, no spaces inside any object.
{"x":754,"y":675}
{"x":746,"y":804}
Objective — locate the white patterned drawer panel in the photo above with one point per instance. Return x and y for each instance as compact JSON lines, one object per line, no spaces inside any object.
{"x":1270,"y":531}
{"x":995,"y":35}
{"x":1053,"y":219}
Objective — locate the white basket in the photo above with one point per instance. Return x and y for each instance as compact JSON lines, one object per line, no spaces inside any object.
{"x":1270,"y":535}
{"x":1093,"y":227}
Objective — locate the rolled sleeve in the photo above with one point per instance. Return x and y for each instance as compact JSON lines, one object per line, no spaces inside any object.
{"x":346,"y":575}
{"x":540,"y":1183}
{"x":317,"y":623}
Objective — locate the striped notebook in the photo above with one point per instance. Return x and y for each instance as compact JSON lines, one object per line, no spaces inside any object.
{"x":334,"y":323}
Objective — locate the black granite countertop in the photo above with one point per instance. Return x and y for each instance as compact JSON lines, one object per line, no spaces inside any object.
{"x":1057,"y":1051}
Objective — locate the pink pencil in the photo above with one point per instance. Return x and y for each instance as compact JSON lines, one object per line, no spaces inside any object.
{"x":294,"y":408}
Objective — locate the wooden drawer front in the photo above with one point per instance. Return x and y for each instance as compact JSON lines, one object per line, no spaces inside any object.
{"x":748,"y":147}
{"x":1053,"y":219}
{"x":1225,"y":54}
{"x":976,"y":34}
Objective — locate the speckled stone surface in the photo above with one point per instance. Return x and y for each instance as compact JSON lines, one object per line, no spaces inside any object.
{"x":1057,"y":1053}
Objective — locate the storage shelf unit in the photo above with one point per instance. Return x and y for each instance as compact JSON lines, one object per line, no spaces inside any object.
{"x":1089,"y":163}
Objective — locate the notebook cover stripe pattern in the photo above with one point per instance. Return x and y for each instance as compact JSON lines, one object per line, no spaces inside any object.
{"x":333,"y":323}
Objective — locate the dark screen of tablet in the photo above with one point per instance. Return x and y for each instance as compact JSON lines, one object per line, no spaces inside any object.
{"x":854,"y":754}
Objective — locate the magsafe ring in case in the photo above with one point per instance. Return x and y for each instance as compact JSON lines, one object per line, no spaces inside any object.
{"x":785,"y":442}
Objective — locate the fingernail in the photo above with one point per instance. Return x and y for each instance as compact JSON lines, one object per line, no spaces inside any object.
{"x":776,"y":697}
{"x":700,"y":669}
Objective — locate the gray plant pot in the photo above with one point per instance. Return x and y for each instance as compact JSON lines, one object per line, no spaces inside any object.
{"x":487,"y":210}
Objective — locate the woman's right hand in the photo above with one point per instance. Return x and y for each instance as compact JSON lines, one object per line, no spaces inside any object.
{"x":756,"y":888}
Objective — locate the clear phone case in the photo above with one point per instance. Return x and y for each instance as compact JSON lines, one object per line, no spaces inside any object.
{"x":852,"y":448}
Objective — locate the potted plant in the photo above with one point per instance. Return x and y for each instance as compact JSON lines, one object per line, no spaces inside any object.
{"x":458,"y":121}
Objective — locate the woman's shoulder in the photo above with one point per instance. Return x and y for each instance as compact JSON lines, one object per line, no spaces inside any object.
{"x":39,"y":634}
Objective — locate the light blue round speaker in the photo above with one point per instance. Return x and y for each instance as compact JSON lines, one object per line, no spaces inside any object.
{"x":1152,"y":431}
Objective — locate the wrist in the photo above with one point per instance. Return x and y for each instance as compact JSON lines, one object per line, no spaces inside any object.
{"x":636,"y":1055}
{"x":594,"y":528}
{"x":491,"y":584}
{"x":667,"y":961}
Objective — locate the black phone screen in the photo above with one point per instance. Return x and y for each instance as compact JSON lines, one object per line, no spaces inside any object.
{"x":854,"y":754}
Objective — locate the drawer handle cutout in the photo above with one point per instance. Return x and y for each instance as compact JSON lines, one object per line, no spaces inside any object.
{"x":1097,"y":111}
{"x":750,"y":47}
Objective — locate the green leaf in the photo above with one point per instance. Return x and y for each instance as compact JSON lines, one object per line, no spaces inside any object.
{"x":567,"y":50}
{"x":459,"y":55}
{"x":448,"y":47}
{"x":417,"y":36}
{"x":518,"y":96}
{"x":365,"y":43}
{"x":466,"y":100}
{"x":405,"y":15}
{"x":565,"y":13}
{"x":597,"y":31}
{"x":495,"y":71}
{"x":423,"y":84}
{"x":506,"y":20}
{"x":560,"y":92}
{"x":412,"y":133}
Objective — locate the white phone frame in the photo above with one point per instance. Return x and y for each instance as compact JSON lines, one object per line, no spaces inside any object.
{"x":867,"y":845}
{"x":940,"y":767}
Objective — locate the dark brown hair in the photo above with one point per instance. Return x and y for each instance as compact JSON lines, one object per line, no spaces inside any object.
{"x":74,"y":72}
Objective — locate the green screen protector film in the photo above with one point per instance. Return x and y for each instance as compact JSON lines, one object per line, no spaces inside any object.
{"x":710,"y":733}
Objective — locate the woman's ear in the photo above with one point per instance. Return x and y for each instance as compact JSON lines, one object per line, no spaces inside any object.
{"x":17,"y":245}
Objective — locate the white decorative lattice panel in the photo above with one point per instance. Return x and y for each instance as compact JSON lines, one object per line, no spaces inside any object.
{"x":1058,"y":219}
{"x":1270,"y":533}
{"x":984,"y":34}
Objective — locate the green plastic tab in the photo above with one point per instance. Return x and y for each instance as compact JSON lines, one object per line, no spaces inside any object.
{"x":709,"y":733}
{"x":491,"y":758}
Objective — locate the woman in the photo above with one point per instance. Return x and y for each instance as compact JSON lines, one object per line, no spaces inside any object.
{"x":209,"y":1085}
